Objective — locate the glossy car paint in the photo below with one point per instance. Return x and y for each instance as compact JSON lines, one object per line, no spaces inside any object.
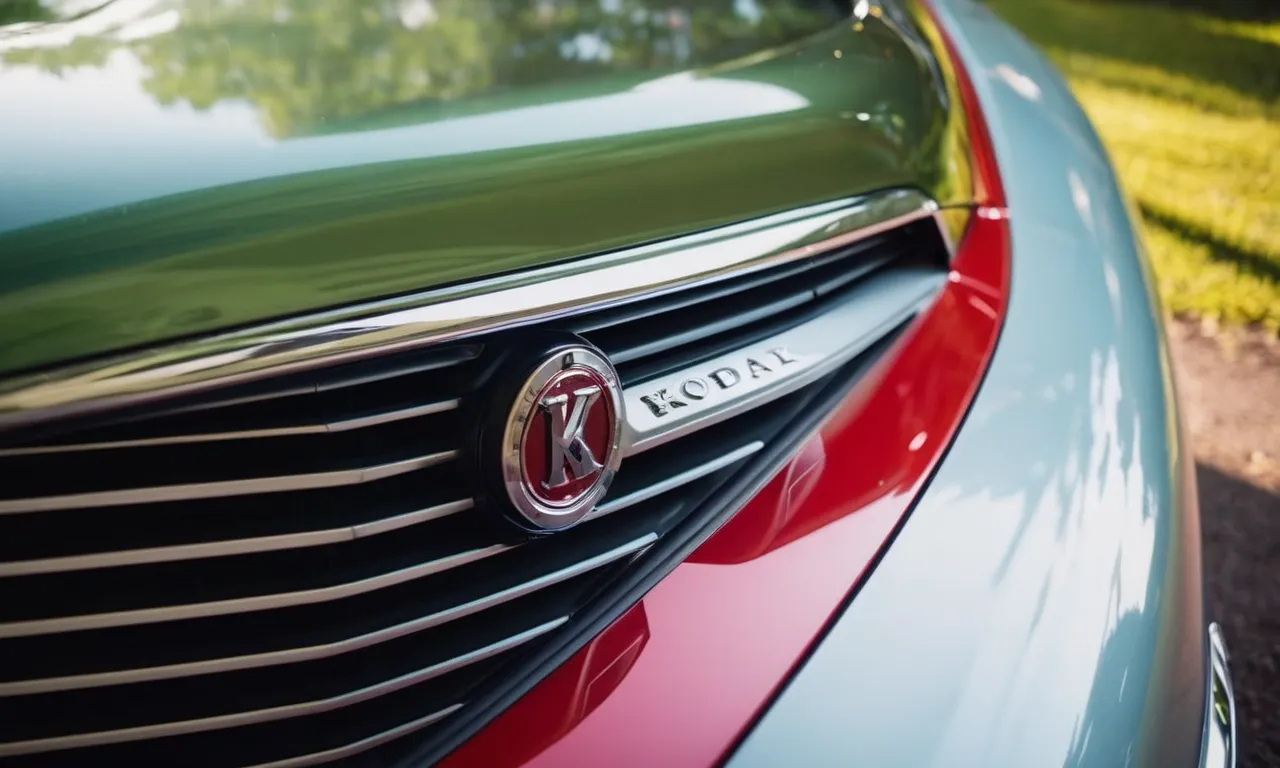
{"x":173,"y":167}
{"x":1042,"y":604}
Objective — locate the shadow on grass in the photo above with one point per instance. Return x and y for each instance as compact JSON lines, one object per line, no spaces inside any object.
{"x":1240,"y":523}
{"x":1163,"y":34}
{"x":1250,"y":262}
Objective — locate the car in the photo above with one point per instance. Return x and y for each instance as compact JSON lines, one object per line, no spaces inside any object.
{"x":581,"y":382}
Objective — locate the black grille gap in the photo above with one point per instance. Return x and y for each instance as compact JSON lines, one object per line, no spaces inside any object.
{"x":295,"y":566}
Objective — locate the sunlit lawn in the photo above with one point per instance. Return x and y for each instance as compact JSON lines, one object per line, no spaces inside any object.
{"x":1189,"y":107}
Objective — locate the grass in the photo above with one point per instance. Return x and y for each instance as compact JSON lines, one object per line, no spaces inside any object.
{"x":1189,"y":107}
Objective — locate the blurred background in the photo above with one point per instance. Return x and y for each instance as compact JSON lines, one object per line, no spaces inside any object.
{"x":1186,"y":96}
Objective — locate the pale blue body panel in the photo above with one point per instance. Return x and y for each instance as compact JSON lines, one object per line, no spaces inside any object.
{"x":1041,"y":605}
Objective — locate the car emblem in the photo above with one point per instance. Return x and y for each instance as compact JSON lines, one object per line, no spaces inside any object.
{"x":561,"y":443}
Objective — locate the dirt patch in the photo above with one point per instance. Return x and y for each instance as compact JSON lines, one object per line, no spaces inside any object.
{"x":1230,"y":391}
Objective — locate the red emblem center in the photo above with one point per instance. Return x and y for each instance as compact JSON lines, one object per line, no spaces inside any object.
{"x":568,"y":438}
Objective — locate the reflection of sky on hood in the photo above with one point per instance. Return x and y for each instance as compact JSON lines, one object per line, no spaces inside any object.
{"x":59,"y":158}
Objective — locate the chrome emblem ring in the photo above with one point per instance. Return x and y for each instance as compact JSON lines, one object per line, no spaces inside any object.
{"x":562,"y":438}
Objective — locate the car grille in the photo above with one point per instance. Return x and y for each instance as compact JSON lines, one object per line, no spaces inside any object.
{"x":298,"y":570}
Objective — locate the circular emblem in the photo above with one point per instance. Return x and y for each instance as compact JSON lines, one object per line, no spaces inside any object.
{"x":562,"y":437}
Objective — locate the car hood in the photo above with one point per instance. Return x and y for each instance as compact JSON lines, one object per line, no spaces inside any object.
{"x":178,"y":167}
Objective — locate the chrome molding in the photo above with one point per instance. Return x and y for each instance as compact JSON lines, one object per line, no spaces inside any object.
{"x":227,"y":547}
{"x":346,"y":425}
{"x":356,"y":747}
{"x":675,"y":481}
{"x":326,"y":650}
{"x":224,"y":488}
{"x":245,"y":604}
{"x":506,"y":301}
{"x":674,"y":405}
{"x":443,"y":358}
{"x":1219,"y":750}
{"x":251,"y":717}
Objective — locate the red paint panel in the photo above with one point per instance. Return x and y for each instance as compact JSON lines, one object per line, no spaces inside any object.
{"x":677,"y":680}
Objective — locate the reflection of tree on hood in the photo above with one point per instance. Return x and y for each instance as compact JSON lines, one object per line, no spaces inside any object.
{"x":305,"y":62}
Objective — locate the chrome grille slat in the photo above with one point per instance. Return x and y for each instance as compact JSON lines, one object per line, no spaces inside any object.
{"x":363,"y":745}
{"x":867,"y":267}
{"x":686,"y":336}
{"x":232,"y":546}
{"x":685,"y":299}
{"x":675,"y":481}
{"x":245,"y":604}
{"x":223,"y":488}
{"x":326,"y":650}
{"x":456,"y":356}
{"x":302,"y":709}
{"x":345,"y":425}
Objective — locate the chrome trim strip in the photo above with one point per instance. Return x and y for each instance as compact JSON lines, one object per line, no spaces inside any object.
{"x":286,"y":711}
{"x":231,"y":546}
{"x":506,"y":301}
{"x":675,"y":481}
{"x":445,"y":358}
{"x":345,"y":425}
{"x":363,"y":745}
{"x":224,"y":488}
{"x":326,"y":650}
{"x":1220,"y":745}
{"x":776,"y":366}
{"x":245,"y":604}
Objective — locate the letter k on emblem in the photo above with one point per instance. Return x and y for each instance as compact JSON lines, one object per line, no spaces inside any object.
{"x":568,"y":444}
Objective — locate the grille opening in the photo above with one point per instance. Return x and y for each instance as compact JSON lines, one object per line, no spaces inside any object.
{"x":275,"y":740}
{"x":203,"y":696}
{"x":223,"y":578}
{"x":70,"y":532}
{"x":329,"y":622}
{"x":269,"y":399}
{"x":159,"y":466}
